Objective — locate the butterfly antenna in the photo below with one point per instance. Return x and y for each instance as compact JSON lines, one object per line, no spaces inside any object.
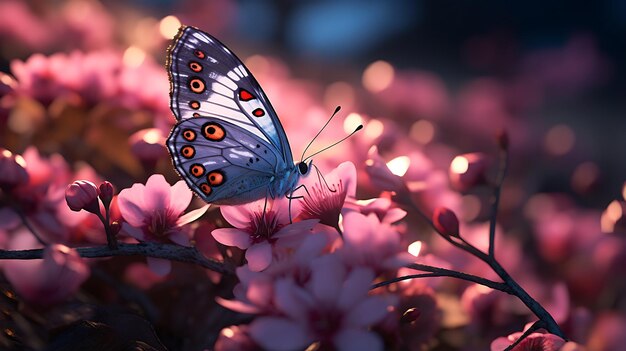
{"x":318,"y":133}
{"x":335,"y":143}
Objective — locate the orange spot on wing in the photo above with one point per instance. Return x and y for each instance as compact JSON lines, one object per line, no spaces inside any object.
{"x":206,"y":189}
{"x":213,"y":131}
{"x":197,"y":170}
{"x":216,"y":178}
{"x":197,"y":85}
{"x":188,"y":151}
{"x":199,"y":54}
{"x":189,"y":135}
{"x":195,"y":66}
{"x":194,"y":104}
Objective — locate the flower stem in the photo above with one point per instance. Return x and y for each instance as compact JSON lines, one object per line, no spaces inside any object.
{"x":111,"y":242}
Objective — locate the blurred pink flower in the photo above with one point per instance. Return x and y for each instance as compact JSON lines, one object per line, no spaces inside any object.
{"x":333,"y":309}
{"x":154,"y":212}
{"x":261,"y":233}
{"x":12,"y":170}
{"x":468,"y":170}
{"x":380,"y":175}
{"x":370,"y":243}
{"x":148,"y":144}
{"x":20,"y":26}
{"x":53,"y":279}
{"x":325,"y":198}
{"x":607,"y":333}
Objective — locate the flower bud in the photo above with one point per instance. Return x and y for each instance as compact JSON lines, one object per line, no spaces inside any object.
{"x":82,"y":195}
{"x":468,"y":170}
{"x":12,"y":171}
{"x":115,"y":227}
{"x":106,"y":193}
{"x":410,"y":316}
{"x":446,"y":221}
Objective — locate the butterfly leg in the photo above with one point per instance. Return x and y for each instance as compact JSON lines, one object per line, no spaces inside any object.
{"x":291,"y":197}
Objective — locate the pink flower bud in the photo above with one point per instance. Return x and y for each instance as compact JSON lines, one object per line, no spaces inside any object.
{"x":12,"y":171}
{"x":82,"y":195}
{"x":468,"y":170}
{"x":106,"y":193}
{"x":446,"y":222}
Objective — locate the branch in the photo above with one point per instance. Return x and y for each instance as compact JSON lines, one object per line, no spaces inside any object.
{"x":157,"y":250}
{"x":443,"y":272}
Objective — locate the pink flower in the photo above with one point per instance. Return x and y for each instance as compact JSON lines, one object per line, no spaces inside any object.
{"x":325,"y":198}
{"x":333,"y":309}
{"x":154,"y":212}
{"x":380,"y":175}
{"x":82,"y":195}
{"x":446,"y":221}
{"x":537,"y":341}
{"x":54,"y":278}
{"x":261,"y":233}
{"x":370,"y":243}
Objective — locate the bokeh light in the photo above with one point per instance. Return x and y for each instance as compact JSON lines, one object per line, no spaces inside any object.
{"x":378,"y":76}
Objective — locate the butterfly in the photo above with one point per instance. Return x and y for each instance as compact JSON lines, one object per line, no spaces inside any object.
{"x":228,"y":143}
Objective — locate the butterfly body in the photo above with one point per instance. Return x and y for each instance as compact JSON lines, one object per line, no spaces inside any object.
{"x":228,"y":143}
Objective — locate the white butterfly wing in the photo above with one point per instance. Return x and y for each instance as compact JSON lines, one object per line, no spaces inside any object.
{"x":207,"y":79}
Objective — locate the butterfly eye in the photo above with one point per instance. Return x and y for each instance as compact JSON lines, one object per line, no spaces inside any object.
{"x":213,"y":131}
{"x":216,"y":178}
{"x":197,"y":170}
{"x":189,"y":135}
{"x":195,"y":66}
{"x":206,"y":189}
{"x":303,"y":168}
{"x":188,"y":151}
{"x":197,"y":85}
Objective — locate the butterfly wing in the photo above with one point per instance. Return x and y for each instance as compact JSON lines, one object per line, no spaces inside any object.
{"x":207,"y":79}
{"x":222,"y":162}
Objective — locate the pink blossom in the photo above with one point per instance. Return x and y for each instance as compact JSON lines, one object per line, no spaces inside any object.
{"x":446,"y":221}
{"x":325,"y":198}
{"x":333,"y":309}
{"x":261,"y":233}
{"x":154,"y":212}
{"x":54,"y":278}
{"x":370,"y":243}
{"x":468,"y":170}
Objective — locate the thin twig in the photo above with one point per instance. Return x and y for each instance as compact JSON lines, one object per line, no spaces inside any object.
{"x":157,"y":250}
{"x":496,"y":200}
{"x":29,"y":226}
{"x":463,"y":276}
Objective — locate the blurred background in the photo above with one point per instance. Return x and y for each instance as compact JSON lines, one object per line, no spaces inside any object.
{"x":85,"y":91}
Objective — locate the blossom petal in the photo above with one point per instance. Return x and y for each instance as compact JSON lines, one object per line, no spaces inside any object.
{"x":292,"y":300}
{"x":133,"y":232}
{"x":367,"y":312}
{"x":259,"y":256}
{"x":357,"y":340}
{"x":328,"y":273}
{"x":280,"y":334}
{"x":156,"y":195}
{"x":346,"y":172}
{"x":181,"y":238}
{"x":130,"y":203}
{"x":180,"y":197}
{"x":159,"y":266}
{"x":232,"y":237}
{"x":237,"y":216}
{"x":192,"y":215}
{"x":296,"y":228}
{"x":238,"y":306}
{"x":355,"y":287}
